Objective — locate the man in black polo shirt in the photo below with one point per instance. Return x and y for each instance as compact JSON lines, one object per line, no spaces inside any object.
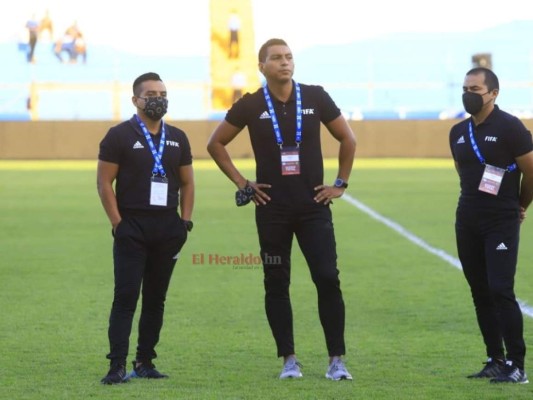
{"x":493,"y":155}
{"x":151,"y":163}
{"x":283,"y":119}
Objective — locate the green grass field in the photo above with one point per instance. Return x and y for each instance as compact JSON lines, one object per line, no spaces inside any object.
{"x":410,"y":325}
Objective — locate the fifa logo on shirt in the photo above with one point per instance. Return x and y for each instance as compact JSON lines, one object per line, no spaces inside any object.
{"x":308,"y":111}
{"x":491,"y":139}
{"x":172,"y":143}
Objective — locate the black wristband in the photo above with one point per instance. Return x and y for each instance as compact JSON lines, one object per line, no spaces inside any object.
{"x":188,"y":225}
{"x":244,"y":196}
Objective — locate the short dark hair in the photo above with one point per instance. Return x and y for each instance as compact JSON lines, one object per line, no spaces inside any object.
{"x":491,"y":80}
{"x":264,"y":48}
{"x":149,"y":76}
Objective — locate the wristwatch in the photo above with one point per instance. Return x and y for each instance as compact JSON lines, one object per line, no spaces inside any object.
{"x":340,"y":183}
{"x":188,"y":225}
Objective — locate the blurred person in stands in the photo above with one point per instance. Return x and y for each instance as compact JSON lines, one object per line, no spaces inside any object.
{"x":32,"y":25}
{"x":46,"y":26}
{"x":493,"y":154}
{"x":238,"y":83}
{"x":234,"y":26}
{"x":73,"y":43}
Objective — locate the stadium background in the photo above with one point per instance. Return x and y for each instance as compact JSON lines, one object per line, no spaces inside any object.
{"x":400,"y":90}
{"x":412,"y":333}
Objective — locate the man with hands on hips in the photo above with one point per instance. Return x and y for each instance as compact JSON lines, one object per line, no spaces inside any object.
{"x":284,"y":119}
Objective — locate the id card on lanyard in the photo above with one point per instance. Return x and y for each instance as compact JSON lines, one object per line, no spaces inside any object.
{"x":290,"y":156}
{"x":290,"y":161}
{"x":492,"y":176}
{"x":491,"y":179}
{"x":158,"y":184}
{"x":158,"y":191}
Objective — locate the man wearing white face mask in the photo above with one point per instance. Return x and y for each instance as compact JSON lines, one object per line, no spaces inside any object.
{"x":493,"y":154}
{"x":151,"y":163}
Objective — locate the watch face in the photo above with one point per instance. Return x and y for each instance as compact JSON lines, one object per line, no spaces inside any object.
{"x":340,"y":183}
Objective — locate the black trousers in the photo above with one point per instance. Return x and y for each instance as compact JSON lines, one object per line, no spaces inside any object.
{"x":145,"y":251}
{"x":313,"y":229}
{"x":487,"y":243}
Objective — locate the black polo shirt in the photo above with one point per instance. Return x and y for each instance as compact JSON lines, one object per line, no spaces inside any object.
{"x":252,"y":111}
{"x":501,"y":138}
{"x":126,"y":146}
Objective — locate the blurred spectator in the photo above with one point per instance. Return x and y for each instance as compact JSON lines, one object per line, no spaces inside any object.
{"x":73,"y":43}
{"x":33,"y":32}
{"x":46,"y":26}
{"x":238,"y":83}
{"x":234,"y":25}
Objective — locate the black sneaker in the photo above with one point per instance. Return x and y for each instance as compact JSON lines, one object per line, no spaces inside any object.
{"x":146,"y":370}
{"x":116,"y":374}
{"x":511,"y":374}
{"x":492,"y":369}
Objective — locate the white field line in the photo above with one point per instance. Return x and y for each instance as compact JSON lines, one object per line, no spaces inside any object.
{"x":526,"y":310}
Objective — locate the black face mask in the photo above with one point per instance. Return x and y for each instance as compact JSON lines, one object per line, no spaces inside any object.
{"x":473,"y":102}
{"x":155,"y":107}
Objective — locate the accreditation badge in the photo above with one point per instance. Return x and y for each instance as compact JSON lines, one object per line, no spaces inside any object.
{"x":290,"y":161}
{"x":491,"y":179}
{"x":158,"y":191}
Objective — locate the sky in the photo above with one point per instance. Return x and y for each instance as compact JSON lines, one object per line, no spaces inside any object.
{"x":181,"y":27}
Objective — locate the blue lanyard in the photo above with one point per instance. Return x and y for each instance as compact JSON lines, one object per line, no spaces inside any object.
{"x":510,"y":168}
{"x":275,"y":124}
{"x":158,"y":154}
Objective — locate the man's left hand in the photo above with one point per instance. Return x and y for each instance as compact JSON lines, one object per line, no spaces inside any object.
{"x":325,"y":194}
{"x":522,"y":214}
